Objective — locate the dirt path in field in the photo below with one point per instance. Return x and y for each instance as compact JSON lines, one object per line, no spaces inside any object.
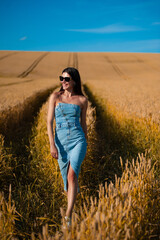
{"x":32,"y":66}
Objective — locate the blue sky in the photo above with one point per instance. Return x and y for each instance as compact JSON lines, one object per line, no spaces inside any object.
{"x":80,"y":25}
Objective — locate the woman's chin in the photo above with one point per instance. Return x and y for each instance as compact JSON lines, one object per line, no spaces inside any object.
{"x":66,"y":88}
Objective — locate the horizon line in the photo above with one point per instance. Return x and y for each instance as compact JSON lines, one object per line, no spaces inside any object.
{"x":76,"y":51}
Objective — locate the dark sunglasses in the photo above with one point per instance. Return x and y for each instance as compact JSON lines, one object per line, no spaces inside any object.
{"x":67,"y":79}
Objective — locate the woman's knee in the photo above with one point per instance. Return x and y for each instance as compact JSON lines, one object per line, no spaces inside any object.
{"x":71,"y":175}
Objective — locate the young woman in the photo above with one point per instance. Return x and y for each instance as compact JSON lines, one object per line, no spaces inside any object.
{"x":69,"y":144}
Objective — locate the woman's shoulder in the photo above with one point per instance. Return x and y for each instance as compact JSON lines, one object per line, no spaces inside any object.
{"x":83,"y":100}
{"x":54,"y":96}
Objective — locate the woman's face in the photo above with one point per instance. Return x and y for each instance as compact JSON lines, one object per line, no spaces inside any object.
{"x":67,"y":85}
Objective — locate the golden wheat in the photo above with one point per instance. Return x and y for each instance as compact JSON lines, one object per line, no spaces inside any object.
{"x":128,"y":209}
{"x":123,"y":122}
{"x":8,"y":216}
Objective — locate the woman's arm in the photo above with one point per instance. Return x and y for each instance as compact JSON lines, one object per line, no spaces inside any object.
{"x":50,"y":119}
{"x":83,"y":115}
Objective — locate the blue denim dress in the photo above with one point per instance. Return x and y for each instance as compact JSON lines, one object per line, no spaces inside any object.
{"x":69,"y":139}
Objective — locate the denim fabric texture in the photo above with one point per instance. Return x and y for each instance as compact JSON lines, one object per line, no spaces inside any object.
{"x":69,"y":139}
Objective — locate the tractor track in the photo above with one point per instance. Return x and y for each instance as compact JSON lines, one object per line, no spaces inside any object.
{"x":117,"y":69}
{"x":8,"y":55}
{"x":32,"y":66}
{"x":69,"y":59}
{"x":147,"y":63}
{"x":75,"y":60}
{"x":15,"y":83}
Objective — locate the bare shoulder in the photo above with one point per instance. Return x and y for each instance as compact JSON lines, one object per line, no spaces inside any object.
{"x":84,"y":101}
{"x":53,"y":97}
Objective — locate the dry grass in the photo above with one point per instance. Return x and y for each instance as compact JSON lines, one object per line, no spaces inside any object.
{"x":8,"y":216}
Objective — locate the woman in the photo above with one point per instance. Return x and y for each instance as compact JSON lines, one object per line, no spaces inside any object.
{"x":69,"y":144}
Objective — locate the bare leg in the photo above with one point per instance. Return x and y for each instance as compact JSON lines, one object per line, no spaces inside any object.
{"x":72,"y":190}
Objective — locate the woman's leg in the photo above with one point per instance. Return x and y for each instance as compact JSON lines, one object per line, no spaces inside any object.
{"x":72,"y":190}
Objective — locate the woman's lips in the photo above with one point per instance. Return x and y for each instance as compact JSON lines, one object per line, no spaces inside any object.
{"x":65,"y":85}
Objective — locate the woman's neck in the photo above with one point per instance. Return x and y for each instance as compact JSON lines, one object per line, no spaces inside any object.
{"x":68,"y":94}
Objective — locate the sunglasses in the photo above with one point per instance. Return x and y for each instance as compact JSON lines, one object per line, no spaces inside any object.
{"x":67,"y":79}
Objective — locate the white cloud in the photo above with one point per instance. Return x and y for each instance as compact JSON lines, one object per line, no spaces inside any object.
{"x":23,"y":38}
{"x":156,"y":23}
{"x":151,"y":45}
{"x":113,"y":28}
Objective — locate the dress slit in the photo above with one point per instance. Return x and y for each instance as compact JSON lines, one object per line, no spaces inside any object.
{"x":69,"y":164}
{"x":67,"y":174}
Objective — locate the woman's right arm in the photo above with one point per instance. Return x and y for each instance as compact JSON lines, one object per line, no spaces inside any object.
{"x":50,"y":119}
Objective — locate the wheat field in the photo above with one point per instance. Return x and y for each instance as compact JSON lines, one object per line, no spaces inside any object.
{"x":119,"y":179}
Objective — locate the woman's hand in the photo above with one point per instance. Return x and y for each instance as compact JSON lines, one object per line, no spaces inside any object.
{"x":54,"y":151}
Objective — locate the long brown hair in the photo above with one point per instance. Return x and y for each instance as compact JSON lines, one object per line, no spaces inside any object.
{"x":74,"y":73}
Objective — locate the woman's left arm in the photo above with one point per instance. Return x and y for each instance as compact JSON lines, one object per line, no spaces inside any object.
{"x":83,"y":116}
